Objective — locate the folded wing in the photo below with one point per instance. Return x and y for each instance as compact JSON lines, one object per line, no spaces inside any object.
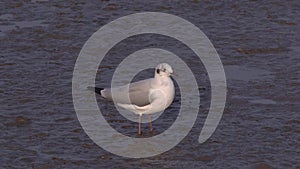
{"x":138,"y":93}
{"x":157,"y":103}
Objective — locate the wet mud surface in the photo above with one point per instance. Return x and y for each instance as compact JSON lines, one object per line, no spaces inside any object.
{"x":259,"y":45}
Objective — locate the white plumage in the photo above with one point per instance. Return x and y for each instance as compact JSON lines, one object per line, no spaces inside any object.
{"x":145,"y":97}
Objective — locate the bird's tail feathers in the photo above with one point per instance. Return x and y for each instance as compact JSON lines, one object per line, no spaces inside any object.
{"x":95,"y":89}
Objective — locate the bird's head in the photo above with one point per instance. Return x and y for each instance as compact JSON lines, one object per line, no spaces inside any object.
{"x":163,"y":69}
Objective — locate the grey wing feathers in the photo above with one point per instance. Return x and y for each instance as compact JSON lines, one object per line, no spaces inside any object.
{"x":138,"y":93}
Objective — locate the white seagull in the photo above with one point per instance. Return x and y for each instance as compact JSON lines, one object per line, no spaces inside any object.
{"x":146,"y":96}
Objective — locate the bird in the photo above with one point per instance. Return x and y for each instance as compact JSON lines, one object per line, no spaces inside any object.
{"x":147,"y":96}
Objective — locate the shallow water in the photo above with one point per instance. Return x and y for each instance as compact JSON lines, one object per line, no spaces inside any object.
{"x":258,"y":42}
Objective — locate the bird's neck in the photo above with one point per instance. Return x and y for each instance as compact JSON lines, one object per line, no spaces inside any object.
{"x":158,"y":76}
{"x":161,"y":79}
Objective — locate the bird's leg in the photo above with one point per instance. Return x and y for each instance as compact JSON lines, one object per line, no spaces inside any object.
{"x":140,"y":121}
{"x":150,"y":122}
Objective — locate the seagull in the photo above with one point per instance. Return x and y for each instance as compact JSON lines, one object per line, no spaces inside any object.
{"x":146,"y":96}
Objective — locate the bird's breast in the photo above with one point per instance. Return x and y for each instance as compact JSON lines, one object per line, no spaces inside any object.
{"x":167,"y":87}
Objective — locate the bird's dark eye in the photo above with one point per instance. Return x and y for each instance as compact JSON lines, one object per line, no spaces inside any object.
{"x":157,"y":71}
{"x":164,"y":70}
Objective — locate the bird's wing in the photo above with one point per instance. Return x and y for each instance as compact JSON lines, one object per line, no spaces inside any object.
{"x":138,"y":93}
{"x":157,"y":104}
{"x":141,"y":85}
{"x":134,"y":108}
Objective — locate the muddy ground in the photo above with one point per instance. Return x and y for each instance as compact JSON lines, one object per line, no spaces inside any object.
{"x":259,"y":45}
